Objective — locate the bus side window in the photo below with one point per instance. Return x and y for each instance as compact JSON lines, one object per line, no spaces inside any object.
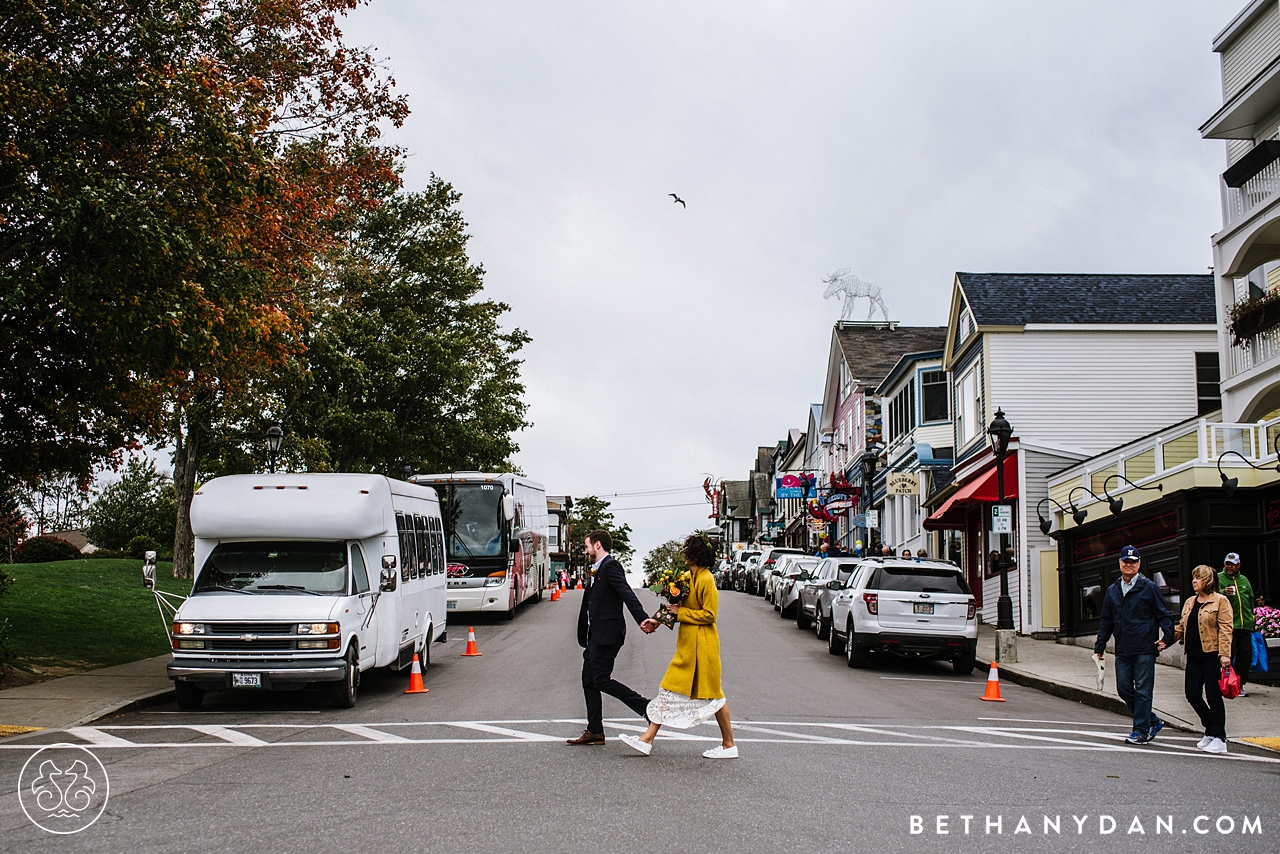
{"x":404,"y":546}
{"x":436,"y":567}
{"x":359,"y":575}
{"x":423,"y":544}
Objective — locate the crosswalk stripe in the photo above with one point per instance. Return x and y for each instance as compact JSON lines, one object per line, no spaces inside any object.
{"x":498,"y":730}
{"x":98,"y":738}
{"x":231,"y":736}
{"x":369,"y":733}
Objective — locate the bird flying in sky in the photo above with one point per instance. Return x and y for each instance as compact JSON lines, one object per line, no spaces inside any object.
{"x":678,"y":199}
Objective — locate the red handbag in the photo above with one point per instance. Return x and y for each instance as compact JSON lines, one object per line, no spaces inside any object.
{"x":1229,"y":683}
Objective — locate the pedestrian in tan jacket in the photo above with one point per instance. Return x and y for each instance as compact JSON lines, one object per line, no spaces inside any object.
{"x":1205,"y":629}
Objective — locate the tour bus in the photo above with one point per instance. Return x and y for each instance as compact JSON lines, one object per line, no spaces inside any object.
{"x":495,"y":530}
{"x":308,"y":579}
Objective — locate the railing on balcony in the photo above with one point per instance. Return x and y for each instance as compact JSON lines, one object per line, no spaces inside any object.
{"x":1262,"y":187}
{"x":1184,"y":446}
{"x":1260,"y":349}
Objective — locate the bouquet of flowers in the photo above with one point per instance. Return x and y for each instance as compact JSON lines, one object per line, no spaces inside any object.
{"x":1268,"y":621}
{"x":671,"y":584}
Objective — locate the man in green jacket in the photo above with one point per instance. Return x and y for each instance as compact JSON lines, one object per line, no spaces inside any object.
{"x":1239,"y":591}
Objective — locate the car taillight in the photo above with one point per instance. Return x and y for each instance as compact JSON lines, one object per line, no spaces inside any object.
{"x":973,"y":609}
{"x":873,"y":602}
{"x":769,"y":562}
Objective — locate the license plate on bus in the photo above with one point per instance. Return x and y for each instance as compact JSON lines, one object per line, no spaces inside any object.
{"x":922,"y":607}
{"x":451,"y":605}
{"x":246,"y":680}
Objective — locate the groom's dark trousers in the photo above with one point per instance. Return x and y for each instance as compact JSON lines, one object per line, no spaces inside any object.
{"x":602,"y":629}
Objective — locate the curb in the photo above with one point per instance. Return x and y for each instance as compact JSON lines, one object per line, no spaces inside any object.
{"x":146,"y":701}
{"x":1106,"y":702}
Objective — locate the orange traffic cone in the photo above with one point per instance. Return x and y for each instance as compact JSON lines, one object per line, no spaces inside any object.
{"x":993,"y":685}
{"x":415,"y":678}
{"x":579,"y":587}
{"x":555,"y":593}
{"x":471,"y":642}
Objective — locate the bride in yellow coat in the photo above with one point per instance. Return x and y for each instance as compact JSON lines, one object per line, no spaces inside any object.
{"x":690,"y":693}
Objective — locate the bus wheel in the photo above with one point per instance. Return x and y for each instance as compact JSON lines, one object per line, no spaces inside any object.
{"x":509,"y":615}
{"x":537,"y":597}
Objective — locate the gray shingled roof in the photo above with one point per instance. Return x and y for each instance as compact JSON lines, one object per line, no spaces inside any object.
{"x":737,"y":498}
{"x":872,"y":351}
{"x":1015,"y":299}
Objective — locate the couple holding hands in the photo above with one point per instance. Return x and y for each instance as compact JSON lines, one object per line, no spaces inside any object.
{"x":690,"y":692}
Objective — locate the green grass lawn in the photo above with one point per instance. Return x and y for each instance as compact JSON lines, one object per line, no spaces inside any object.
{"x":81,"y":614}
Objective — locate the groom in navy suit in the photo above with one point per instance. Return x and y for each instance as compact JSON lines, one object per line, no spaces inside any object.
{"x":602,"y":629}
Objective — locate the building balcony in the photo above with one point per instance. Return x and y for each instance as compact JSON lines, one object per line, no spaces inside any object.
{"x":1183,"y":456}
{"x":1255,"y":351}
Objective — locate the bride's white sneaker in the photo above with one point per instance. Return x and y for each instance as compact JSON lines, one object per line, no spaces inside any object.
{"x":720,"y":752}
{"x":633,"y":741}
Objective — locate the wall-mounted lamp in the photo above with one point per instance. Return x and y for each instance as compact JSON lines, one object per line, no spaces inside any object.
{"x":1045,"y":523}
{"x":1077,"y":515}
{"x":1229,"y":484}
{"x":1117,"y":504}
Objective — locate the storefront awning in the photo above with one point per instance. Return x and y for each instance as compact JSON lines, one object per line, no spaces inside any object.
{"x":983,"y":488}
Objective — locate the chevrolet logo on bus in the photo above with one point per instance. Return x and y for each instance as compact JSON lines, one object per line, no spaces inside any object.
{"x":248,"y":638}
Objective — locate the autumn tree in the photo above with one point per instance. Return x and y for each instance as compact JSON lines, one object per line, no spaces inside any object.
{"x":172,"y":175}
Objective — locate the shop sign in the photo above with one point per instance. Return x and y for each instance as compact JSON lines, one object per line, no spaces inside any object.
{"x":838,"y":505}
{"x":817,"y":524}
{"x":903,"y":483}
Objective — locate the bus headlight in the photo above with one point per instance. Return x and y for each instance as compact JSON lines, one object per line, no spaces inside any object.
{"x":317,"y":628}
{"x":495,"y":580}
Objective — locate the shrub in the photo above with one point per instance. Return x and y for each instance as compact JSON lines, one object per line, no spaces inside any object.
{"x":1268,"y":621}
{"x":45,"y":550}
{"x":140,"y":544}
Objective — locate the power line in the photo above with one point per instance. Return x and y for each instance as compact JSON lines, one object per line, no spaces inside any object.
{"x":655,"y":491}
{"x":656,"y":506}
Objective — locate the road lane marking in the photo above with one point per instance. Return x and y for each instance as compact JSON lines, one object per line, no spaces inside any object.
{"x":98,"y":738}
{"x":1039,"y":721}
{"x":228,"y":735}
{"x":370,"y":733}
{"x":667,"y":733}
{"x":519,"y":735}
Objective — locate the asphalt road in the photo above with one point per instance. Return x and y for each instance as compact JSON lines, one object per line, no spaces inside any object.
{"x":832,"y":759}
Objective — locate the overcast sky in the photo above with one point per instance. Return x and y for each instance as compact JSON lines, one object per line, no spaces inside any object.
{"x":905,"y":140}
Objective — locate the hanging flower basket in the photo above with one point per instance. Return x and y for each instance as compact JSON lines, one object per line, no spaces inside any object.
{"x":1254,"y":315}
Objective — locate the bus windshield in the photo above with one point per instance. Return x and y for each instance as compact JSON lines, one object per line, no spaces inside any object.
{"x":473,"y":520}
{"x":275,"y":567}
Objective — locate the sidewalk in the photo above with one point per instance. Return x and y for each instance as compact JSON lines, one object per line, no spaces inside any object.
{"x":85,"y":697}
{"x":1067,"y":671}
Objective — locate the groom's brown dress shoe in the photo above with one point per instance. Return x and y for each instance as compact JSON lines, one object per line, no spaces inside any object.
{"x":587,"y":737}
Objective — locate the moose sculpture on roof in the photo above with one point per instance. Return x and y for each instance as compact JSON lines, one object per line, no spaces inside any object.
{"x":849,"y":287}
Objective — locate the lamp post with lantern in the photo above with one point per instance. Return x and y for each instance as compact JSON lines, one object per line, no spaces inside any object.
{"x":1000,"y":432}
{"x":275,"y":438}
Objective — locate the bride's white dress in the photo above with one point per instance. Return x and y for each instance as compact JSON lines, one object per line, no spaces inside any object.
{"x":679,"y":711}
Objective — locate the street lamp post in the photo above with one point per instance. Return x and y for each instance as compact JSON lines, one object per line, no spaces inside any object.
{"x":1000,"y":432}
{"x":275,"y":437}
{"x":868,"y":462}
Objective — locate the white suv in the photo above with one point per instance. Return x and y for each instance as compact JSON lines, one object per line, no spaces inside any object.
{"x":918,"y":609}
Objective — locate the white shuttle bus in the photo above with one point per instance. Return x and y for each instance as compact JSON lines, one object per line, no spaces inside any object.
{"x":495,"y":530}
{"x":308,"y":579}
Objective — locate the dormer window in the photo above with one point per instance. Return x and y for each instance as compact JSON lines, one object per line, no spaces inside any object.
{"x":965,"y":328}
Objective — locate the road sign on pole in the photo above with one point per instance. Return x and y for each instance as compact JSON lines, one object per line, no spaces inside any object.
{"x":1001,"y":519}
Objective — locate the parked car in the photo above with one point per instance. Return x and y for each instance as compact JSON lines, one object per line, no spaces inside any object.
{"x":774,"y":578}
{"x":768,"y":558}
{"x":916,"y":609}
{"x":817,"y":594}
{"x":723,"y":574}
{"x":741,"y":565}
{"x":797,"y":572}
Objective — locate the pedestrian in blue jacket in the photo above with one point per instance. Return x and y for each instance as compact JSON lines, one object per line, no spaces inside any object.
{"x":1135,"y":614}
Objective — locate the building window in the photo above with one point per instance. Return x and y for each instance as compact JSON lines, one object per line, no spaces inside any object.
{"x":967,"y":408}
{"x":902,"y":412}
{"x":933,"y":396}
{"x":1208,"y":376}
